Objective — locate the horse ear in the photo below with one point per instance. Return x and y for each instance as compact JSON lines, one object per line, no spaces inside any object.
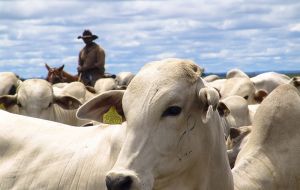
{"x":61,"y":68}
{"x":47,"y":66}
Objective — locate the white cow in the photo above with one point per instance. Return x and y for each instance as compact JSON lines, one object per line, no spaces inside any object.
{"x":235,"y":73}
{"x":269,"y":81}
{"x":211,"y":78}
{"x":9,"y":82}
{"x":238,"y":83}
{"x":35,"y":98}
{"x":124,"y":78}
{"x":270,"y":158}
{"x":238,"y":108}
{"x":174,"y":140}
{"x":75,"y":89}
{"x":217,"y":84}
{"x":106,"y":84}
{"x":41,"y":154}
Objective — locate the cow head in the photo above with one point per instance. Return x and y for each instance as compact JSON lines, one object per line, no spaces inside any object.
{"x":173,"y":132}
{"x":242,"y":86}
{"x":35,"y":98}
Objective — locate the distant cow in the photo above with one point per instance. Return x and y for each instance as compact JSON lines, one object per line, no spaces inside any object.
{"x":106,"y":84}
{"x":75,"y":89}
{"x":238,"y":83}
{"x":269,"y":81}
{"x":35,"y":98}
{"x":124,"y":78}
{"x":238,"y":108}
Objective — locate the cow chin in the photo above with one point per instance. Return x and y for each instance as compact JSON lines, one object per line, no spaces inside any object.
{"x":122,"y":179}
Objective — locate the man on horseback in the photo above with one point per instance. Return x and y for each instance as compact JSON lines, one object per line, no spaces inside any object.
{"x":91,"y":59}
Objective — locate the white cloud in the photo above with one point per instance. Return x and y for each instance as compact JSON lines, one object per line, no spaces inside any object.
{"x":294,"y":27}
{"x":7,"y":43}
{"x":221,"y":54}
{"x":226,"y":33}
{"x":165,"y":55}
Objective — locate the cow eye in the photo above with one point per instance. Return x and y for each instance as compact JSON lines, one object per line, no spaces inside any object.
{"x":172,"y":111}
{"x":50,"y":104}
{"x":246,"y":97}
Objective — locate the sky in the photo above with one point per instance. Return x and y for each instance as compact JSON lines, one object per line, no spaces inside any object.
{"x":219,"y":35}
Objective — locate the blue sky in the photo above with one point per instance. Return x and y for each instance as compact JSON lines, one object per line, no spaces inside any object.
{"x":253,"y":35}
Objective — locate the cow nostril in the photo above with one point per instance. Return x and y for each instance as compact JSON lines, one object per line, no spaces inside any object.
{"x":109,"y":183}
{"x":125,"y":184}
{"x":118,"y":183}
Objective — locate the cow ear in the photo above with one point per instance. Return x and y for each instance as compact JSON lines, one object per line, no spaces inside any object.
{"x":223,"y":109}
{"x":234,"y":132}
{"x":260,"y":95}
{"x":91,"y":89}
{"x":67,"y":102}
{"x":47,"y":66}
{"x":95,"y":108}
{"x":209,"y":98}
{"x":295,"y":81}
{"x":8,"y":100}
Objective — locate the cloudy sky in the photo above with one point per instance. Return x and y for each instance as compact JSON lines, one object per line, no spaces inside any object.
{"x":253,"y":35}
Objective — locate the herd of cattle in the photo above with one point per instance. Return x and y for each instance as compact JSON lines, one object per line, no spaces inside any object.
{"x":180,"y":131}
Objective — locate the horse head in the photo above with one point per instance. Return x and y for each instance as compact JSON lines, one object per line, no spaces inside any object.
{"x":55,"y":75}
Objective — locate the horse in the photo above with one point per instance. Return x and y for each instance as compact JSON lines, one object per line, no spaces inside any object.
{"x":57,"y":75}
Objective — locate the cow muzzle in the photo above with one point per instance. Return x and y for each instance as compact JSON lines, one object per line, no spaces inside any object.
{"x":122,"y":180}
{"x":118,"y":182}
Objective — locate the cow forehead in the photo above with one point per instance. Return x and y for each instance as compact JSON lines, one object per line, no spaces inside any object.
{"x":168,"y":79}
{"x":168,"y":69}
{"x":34,"y":88}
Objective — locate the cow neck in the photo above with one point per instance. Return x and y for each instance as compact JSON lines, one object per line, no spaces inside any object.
{"x":64,"y":116}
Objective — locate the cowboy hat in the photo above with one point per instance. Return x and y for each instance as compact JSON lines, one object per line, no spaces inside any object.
{"x":87,"y":34}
